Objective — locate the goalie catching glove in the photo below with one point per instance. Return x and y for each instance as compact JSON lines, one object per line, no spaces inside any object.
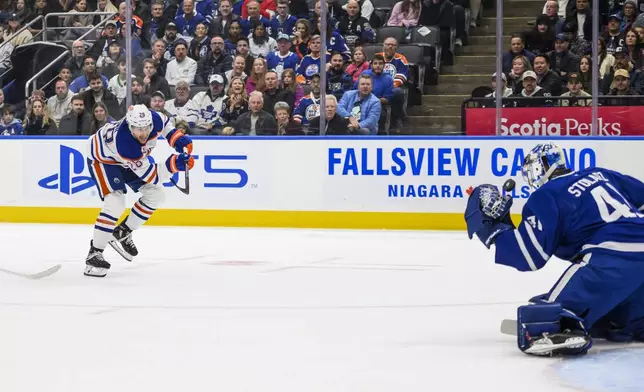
{"x":487,"y":213}
{"x":181,"y":162}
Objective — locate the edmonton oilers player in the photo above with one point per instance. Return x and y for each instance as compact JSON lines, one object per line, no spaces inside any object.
{"x":591,"y":218}
{"x":119,"y":155}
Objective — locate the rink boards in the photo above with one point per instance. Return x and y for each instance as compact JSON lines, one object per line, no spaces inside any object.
{"x":332,"y":182}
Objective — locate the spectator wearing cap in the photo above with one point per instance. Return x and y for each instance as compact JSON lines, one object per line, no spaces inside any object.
{"x":222,"y":21}
{"x":356,"y":29}
{"x":336,"y":124}
{"x":154,"y":28}
{"x":171,"y":38}
{"x":199,"y":47}
{"x":282,"y":22}
{"x":629,"y":15}
{"x":182,"y":107}
{"x":205,"y":8}
{"x":575,"y":92}
{"x":310,"y":64}
{"x":361,"y":107}
{"x":61,"y":103}
{"x":622,"y":61}
{"x":152,"y":81}
{"x":187,"y":22}
{"x":97,"y":93}
{"x":546,"y":78}
{"x":210,"y":103}
{"x":82,"y":82}
{"x":239,"y":65}
{"x":562,"y":61}
{"x":273,"y":93}
{"x":256,"y":121}
{"x":580,"y":19}
{"x":621,"y":87}
{"x":541,"y":38}
{"x":248,"y":22}
{"x":5,"y":52}
{"x":282,"y":58}
{"x":108,"y":35}
{"x":10,"y":34}
{"x":157,"y":103}
{"x":506,"y":90}
{"x":108,"y":63}
{"x":532,"y":90}
{"x":337,"y":80}
{"x":78,"y":121}
{"x":309,"y":105}
{"x":614,"y":36}
{"x":182,"y":67}
{"x":260,"y":43}
{"x":118,"y":83}
{"x":517,"y":48}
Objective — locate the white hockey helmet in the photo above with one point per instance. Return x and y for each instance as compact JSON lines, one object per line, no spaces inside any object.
{"x":139,"y":119}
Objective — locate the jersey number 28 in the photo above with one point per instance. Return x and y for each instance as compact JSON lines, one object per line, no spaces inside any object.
{"x":621,"y":209}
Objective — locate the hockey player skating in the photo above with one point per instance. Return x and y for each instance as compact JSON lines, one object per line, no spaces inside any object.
{"x":590,"y":218}
{"x":119,"y":155}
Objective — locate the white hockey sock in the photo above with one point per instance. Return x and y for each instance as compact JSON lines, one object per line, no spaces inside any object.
{"x":139,"y":214}
{"x":103,"y":228}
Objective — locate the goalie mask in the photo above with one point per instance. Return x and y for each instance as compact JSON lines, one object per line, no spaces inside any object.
{"x":541,"y":163}
{"x":139,"y":119}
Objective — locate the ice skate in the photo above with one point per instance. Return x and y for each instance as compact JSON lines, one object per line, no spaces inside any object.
{"x":122,"y":242}
{"x":95,"y":263}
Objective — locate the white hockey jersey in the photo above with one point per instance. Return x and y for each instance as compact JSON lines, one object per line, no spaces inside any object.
{"x":209,"y":108}
{"x":114,"y":144}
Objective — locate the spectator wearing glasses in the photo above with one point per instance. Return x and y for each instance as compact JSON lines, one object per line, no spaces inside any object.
{"x":76,"y":62}
{"x":216,"y":62}
{"x":182,"y":107}
{"x":282,"y":22}
{"x":82,"y":82}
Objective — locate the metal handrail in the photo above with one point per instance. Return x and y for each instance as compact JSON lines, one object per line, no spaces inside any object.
{"x":67,"y":14}
{"x":33,"y":78}
{"x":101,"y":23}
{"x":20,"y":30}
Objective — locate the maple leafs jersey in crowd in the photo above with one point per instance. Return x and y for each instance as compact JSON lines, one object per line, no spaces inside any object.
{"x":356,"y":30}
{"x":275,"y":62}
{"x":575,"y":214}
{"x":114,"y":144}
{"x":308,"y":108}
{"x":277,"y":27}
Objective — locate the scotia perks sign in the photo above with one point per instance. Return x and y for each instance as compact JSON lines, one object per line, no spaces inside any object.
{"x":555,"y":121}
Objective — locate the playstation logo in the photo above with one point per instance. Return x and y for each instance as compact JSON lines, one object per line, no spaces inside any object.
{"x":68,"y":179}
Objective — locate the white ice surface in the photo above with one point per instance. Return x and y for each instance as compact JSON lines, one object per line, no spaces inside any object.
{"x":226,"y":310}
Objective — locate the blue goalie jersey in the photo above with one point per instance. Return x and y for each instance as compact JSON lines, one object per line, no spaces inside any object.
{"x":573,"y":215}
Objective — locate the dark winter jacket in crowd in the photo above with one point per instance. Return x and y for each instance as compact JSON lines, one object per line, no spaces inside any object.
{"x":337,"y":125}
{"x":71,"y":124}
{"x":266,"y":124}
{"x":278,"y":95}
{"x":35,"y":126}
{"x":509,"y":56}
{"x":158,"y":83}
{"x":636,"y":83}
{"x":551,"y":82}
{"x":563,"y":62}
{"x":209,"y":65}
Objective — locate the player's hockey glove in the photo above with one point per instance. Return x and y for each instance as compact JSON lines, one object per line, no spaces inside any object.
{"x":179,"y":141}
{"x":487,"y":214}
{"x":181,"y":162}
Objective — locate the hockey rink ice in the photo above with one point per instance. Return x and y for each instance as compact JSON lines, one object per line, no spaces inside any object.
{"x":285,"y":310}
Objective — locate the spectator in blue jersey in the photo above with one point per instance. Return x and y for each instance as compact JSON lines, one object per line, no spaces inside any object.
{"x":199,"y":47}
{"x":188,"y":21}
{"x":335,"y":42}
{"x":282,"y":22}
{"x":261,"y":44}
{"x":82,"y":82}
{"x":309,"y":105}
{"x":154,"y":28}
{"x":383,"y":88}
{"x":283,"y":58}
{"x":337,"y":80}
{"x":310,"y":64}
{"x":253,"y":16}
{"x":10,"y":126}
{"x":222,"y":21}
{"x":171,"y":38}
{"x":334,"y":12}
{"x":204,"y":8}
{"x":234,"y":34}
{"x":273,"y":93}
{"x":355,"y":28}
{"x":216,"y":62}
{"x":361,"y":107}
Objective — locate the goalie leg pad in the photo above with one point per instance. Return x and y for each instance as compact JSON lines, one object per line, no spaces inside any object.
{"x":542,"y":329}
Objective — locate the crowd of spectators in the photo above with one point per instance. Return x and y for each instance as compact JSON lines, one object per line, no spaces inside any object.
{"x":220,"y":66}
{"x":554,"y":57}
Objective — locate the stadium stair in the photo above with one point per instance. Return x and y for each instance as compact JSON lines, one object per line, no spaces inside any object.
{"x":474,"y":65}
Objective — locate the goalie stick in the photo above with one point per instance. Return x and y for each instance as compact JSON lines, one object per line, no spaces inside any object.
{"x":509,"y":327}
{"x":37,"y":275}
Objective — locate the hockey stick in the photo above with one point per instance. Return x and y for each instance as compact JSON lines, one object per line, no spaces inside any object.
{"x":36,"y":276}
{"x":186,"y":188}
